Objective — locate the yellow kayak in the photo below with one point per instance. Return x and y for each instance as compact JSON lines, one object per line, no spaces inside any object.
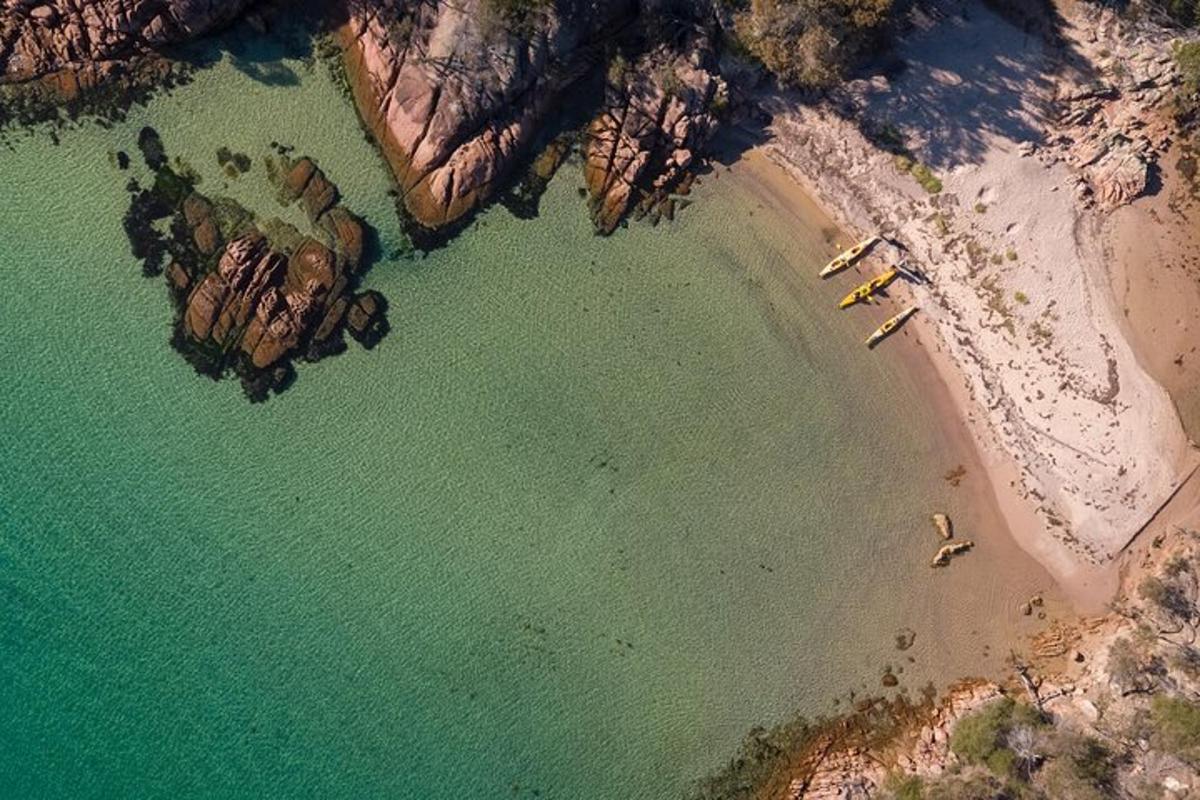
{"x":868,"y":289}
{"x":849,"y":257}
{"x":889,"y":327}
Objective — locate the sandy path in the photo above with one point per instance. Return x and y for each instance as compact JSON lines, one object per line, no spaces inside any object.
{"x":1083,"y":445}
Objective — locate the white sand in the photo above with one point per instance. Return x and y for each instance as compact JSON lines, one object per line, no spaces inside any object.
{"x":1083,"y":445}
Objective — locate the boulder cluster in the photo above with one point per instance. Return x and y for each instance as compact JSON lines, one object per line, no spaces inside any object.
{"x":1113,"y":129}
{"x":252,"y":295}
{"x":77,"y":43}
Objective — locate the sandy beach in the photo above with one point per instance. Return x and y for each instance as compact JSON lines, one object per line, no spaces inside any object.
{"x":1082,"y":443}
{"x":998,"y":552}
{"x":910,"y":346}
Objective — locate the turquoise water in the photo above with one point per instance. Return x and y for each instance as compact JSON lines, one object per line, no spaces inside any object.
{"x":593,"y":509}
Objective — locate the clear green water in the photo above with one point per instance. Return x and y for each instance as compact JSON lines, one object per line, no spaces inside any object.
{"x":590,"y":512}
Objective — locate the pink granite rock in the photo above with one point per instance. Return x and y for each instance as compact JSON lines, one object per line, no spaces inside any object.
{"x":41,"y":38}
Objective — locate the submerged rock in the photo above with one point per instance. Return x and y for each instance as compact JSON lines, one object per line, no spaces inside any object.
{"x":366,"y":320}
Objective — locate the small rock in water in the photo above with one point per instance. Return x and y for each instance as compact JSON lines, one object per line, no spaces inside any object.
{"x":948,"y":551}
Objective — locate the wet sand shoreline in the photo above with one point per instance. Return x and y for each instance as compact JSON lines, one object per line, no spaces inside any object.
{"x":980,"y":479}
{"x":1087,"y":588}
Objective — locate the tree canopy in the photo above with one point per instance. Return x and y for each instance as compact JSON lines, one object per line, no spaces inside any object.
{"x":810,"y":43}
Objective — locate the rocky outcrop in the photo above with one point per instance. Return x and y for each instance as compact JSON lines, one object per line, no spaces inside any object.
{"x":87,"y":40}
{"x":252,"y":295}
{"x":1113,"y":130}
{"x":456,"y":92}
{"x":846,"y":763}
{"x":263,"y":305}
{"x":260,"y":301}
{"x":657,"y":118}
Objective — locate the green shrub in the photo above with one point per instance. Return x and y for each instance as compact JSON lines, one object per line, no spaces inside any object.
{"x":1187,"y":59}
{"x":1125,"y":667}
{"x":1184,"y":12}
{"x":1167,"y":596}
{"x":1093,"y":762}
{"x":1177,"y":566}
{"x":943,"y":227}
{"x":1187,"y":661}
{"x":982,"y":737}
{"x":515,"y":15}
{"x":1176,"y":724}
{"x":905,"y":787}
{"x":890,"y":138}
{"x":1080,"y":768}
{"x":926,"y":178}
{"x":810,"y":43}
{"x":974,"y":787}
{"x":1062,"y":783}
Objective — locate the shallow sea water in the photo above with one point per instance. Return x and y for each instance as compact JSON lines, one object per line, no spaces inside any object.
{"x":594,"y":508}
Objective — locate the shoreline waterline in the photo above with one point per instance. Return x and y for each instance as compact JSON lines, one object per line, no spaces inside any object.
{"x":1087,"y":587}
{"x":990,"y":475}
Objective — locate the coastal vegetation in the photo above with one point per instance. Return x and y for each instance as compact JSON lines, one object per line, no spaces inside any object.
{"x":1187,"y":96}
{"x":1183,"y":12}
{"x":809,"y":44}
{"x":514,"y":15}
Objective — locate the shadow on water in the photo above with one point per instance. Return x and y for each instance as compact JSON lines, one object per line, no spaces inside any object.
{"x":258,"y":54}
